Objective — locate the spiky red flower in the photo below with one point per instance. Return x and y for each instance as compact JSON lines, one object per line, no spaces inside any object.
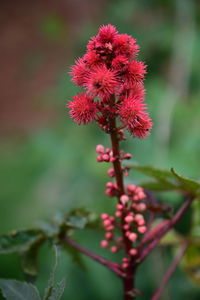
{"x":133,"y":115}
{"x":107,"y":33}
{"x":101,"y":82}
{"x":83,"y":109}
{"x":91,"y":59}
{"x":124,"y":44}
{"x":110,"y":72}
{"x":135,"y":73}
{"x":79,"y":72}
{"x":141,"y":127}
{"x":136,"y":90}
{"x":120,"y":63}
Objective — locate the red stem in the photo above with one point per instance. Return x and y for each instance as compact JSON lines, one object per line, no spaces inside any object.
{"x":170,"y":272}
{"x":130,"y":271}
{"x":114,"y":267}
{"x":163,"y":230}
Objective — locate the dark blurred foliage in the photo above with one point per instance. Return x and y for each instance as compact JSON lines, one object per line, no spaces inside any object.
{"x":48,"y":163}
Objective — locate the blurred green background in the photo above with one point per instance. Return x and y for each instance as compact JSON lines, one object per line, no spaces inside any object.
{"x":48,"y":163}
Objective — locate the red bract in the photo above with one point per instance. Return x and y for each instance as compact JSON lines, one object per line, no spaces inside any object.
{"x":83,"y":109}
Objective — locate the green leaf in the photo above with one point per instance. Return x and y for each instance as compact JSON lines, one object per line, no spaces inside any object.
{"x":189,"y":185}
{"x":75,"y":256}
{"x":49,"y":288}
{"x":76,"y":222}
{"x":158,"y":186}
{"x":19,"y":241}
{"x":80,"y":218}
{"x":152,"y":172}
{"x":165,"y":180}
{"x":16,"y":290}
{"x":172,"y":238}
{"x":49,"y":228}
{"x":29,"y":258}
{"x":191,"y":263}
{"x":58,"y":291}
{"x":54,"y":292}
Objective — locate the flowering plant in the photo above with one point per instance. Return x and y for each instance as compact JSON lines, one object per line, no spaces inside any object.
{"x":113,"y":92}
{"x":113,"y":96}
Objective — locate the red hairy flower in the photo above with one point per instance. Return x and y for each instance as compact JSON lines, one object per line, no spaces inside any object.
{"x":101,"y":82}
{"x":136,"y":90}
{"x":109,"y":71}
{"x":124,"y":44}
{"x":107,"y":33}
{"x":83,"y":109}
{"x":91,"y":59}
{"x":120,"y":63}
{"x":141,"y":127}
{"x":79,"y":72}
{"x":133,"y":115}
{"x":135,"y":73}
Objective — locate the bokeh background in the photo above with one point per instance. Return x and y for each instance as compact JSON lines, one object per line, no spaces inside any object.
{"x":48,"y":163}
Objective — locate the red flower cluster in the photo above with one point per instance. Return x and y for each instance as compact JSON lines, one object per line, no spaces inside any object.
{"x":112,"y":78}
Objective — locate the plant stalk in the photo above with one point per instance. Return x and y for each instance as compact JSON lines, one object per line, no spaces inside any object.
{"x":128,"y":281}
{"x":114,"y":267}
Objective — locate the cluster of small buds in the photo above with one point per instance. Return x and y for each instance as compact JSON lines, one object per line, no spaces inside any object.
{"x":111,"y":189}
{"x":111,"y":171}
{"x":110,"y":224}
{"x":137,"y":194}
{"x":127,"y":217}
{"x":111,"y":71}
{"x":104,"y":155}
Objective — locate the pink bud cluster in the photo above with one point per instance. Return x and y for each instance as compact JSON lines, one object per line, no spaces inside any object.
{"x":106,"y":155}
{"x":128,"y":217}
{"x":112,"y":80}
{"x":109,"y":224}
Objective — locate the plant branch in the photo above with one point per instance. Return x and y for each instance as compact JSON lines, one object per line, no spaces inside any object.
{"x":114,"y":267}
{"x":130,"y":271}
{"x":170,"y":272}
{"x":167,"y":225}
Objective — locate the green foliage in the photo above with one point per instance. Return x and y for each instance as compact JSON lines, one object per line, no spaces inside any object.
{"x":80,"y":218}
{"x":29,"y":259}
{"x":20,"y":241}
{"x":54,"y":291}
{"x":191,"y":263}
{"x":16,"y":290}
{"x":164,"y":180}
{"x":186,"y":184}
{"x":27,"y":243}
